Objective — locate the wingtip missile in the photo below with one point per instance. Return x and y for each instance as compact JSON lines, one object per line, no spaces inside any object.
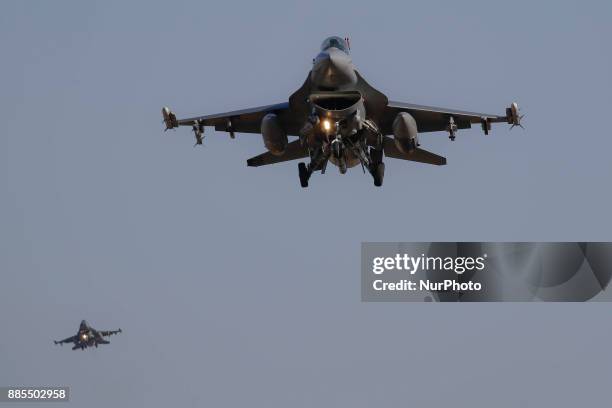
{"x":169,"y":118}
{"x":513,"y":115}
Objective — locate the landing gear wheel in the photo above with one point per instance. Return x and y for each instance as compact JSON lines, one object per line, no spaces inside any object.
{"x":303,"y":174}
{"x":379,"y":174}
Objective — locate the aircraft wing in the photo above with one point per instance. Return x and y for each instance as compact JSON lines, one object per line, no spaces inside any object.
{"x":105,"y":333}
{"x":418,"y":155}
{"x":240,"y":121}
{"x":294,"y":151}
{"x":71,"y":339}
{"x":433,"y":119}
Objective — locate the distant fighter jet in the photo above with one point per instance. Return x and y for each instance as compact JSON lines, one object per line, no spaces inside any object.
{"x":338,"y":117}
{"x":87,"y":336}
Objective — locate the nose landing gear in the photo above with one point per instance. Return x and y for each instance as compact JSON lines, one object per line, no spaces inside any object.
{"x":337,"y":151}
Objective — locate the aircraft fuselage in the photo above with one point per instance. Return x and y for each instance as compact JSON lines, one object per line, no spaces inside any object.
{"x":338,"y":128}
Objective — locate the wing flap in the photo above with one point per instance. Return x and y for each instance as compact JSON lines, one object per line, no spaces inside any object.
{"x":294,"y":151}
{"x":418,"y":155}
{"x":71,"y":339}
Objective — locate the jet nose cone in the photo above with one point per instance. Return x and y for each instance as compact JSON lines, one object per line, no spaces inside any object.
{"x":333,"y":68}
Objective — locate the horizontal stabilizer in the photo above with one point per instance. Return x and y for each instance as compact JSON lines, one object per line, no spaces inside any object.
{"x":418,"y":155}
{"x":294,"y":151}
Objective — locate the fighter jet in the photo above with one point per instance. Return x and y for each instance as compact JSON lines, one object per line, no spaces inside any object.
{"x":337,"y":117}
{"x":87,"y":336}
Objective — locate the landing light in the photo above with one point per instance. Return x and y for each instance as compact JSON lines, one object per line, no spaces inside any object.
{"x":327,"y":125}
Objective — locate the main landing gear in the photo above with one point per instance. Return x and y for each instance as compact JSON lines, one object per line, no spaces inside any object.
{"x":377,"y":167}
{"x":372,"y":161}
{"x":318,"y":161}
{"x":304,"y":176}
{"x":378,"y":173}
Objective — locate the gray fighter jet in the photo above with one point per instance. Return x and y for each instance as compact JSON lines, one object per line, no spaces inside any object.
{"x":87,"y":336}
{"x":338,"y":117}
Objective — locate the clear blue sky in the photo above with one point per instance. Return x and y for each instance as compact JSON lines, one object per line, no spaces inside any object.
{"x":233,"y":285}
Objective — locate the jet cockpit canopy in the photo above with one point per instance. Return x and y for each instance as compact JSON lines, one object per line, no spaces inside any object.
{"x":335,"y":42}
